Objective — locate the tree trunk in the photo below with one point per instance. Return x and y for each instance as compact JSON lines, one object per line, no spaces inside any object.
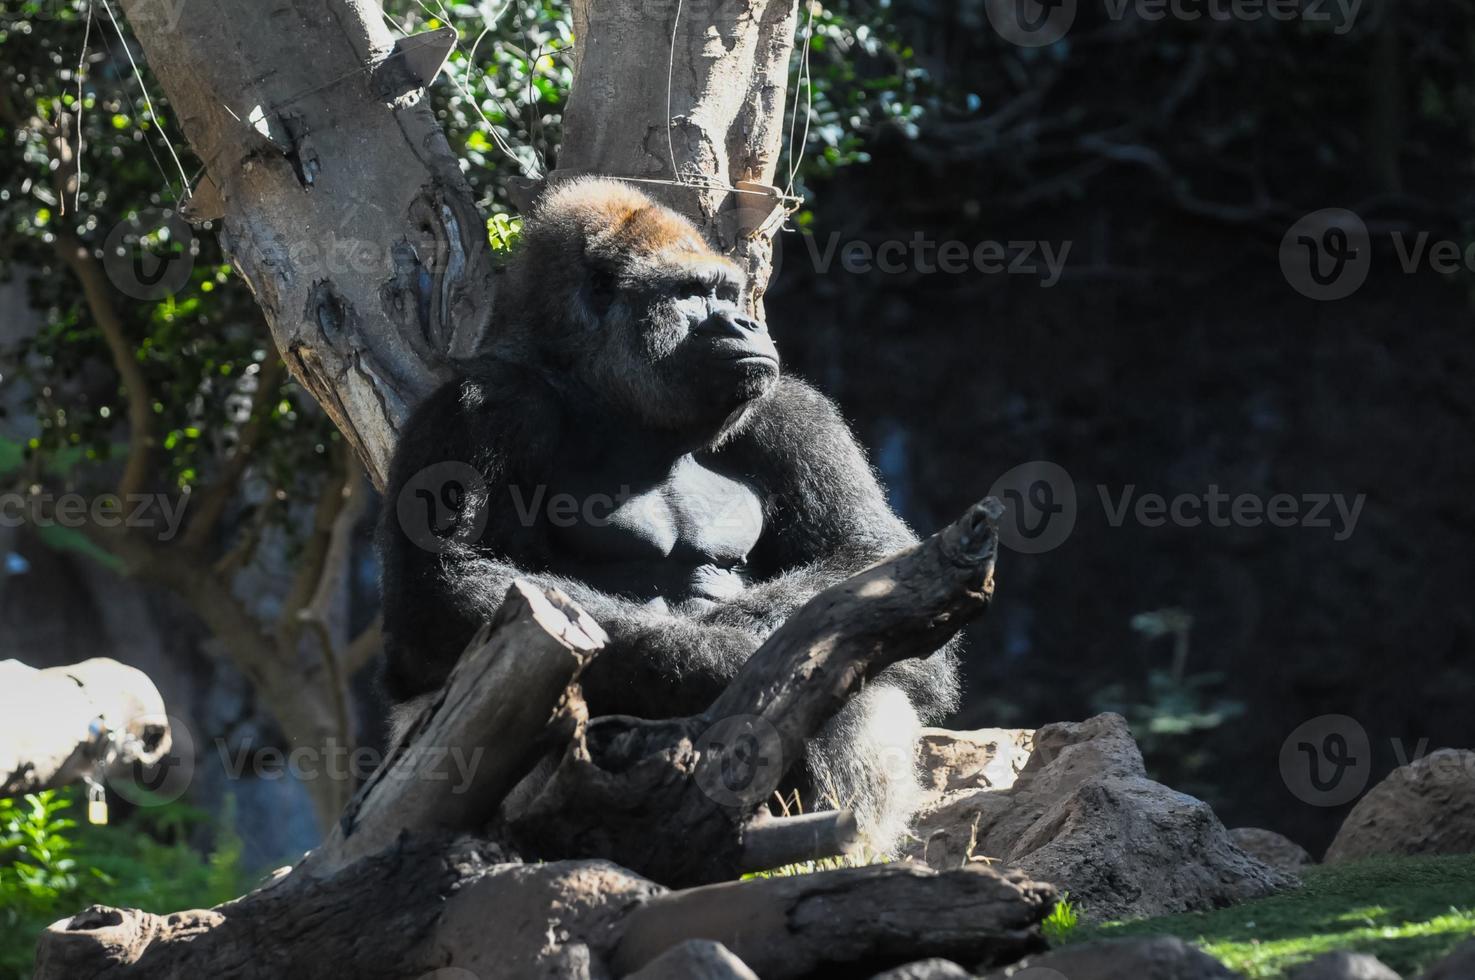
{"x":345,"y":210}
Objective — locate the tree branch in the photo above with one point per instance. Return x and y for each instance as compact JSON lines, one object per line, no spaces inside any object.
{"x":215,"y":497}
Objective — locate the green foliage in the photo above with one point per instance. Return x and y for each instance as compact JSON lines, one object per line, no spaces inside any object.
{"x":50,"y":867}
{"x":200,"y":350}
{"x":503,"y":232}
{"x":1062,"y":921}
{"x":1408,"y":912}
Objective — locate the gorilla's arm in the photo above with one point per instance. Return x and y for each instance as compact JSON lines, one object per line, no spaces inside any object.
{"x":826,"y":518}
{"x":436,"y":598}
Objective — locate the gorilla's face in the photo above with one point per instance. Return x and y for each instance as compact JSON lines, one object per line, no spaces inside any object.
{"x":674,"y":344}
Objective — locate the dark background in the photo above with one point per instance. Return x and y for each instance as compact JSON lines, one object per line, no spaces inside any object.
{"x":1172,"y":355}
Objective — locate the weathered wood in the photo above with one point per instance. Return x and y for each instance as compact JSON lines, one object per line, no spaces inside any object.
{"x":434,"y":901}
{"x":792,"y":925}
{"x":61,"y":724}
{"x":770,"y":842}
{"x":481,"y":735}
{"x":705,"y":779}
{"x":344,"y":207}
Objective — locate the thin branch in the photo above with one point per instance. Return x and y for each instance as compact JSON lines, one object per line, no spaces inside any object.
{"x":96,"y":292}
{"x":363,"y":648}
{"x":331,"y":502}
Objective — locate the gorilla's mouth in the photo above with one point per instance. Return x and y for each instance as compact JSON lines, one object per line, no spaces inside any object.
{"x":751,"y":357}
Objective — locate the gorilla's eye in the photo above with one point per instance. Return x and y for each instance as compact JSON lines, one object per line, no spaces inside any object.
{"x":727,"y":292}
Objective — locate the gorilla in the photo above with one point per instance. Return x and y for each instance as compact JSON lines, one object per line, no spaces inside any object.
{"x":626,"y":436}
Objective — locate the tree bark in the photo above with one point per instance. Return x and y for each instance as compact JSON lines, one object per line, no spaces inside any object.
{"x":344,"y":208}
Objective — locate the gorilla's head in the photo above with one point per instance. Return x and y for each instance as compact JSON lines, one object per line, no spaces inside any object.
{"x":623,"y":296}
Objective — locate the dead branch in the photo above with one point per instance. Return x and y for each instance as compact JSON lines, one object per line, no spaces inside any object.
{"x":790,"y":926}
{"x":490,"y":717}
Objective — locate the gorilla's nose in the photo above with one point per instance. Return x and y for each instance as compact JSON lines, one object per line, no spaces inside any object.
{"x":731,"y":325}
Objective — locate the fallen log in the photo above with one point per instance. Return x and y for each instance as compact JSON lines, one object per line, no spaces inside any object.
{"x":412,"y":880}
{"x":62,"y":724}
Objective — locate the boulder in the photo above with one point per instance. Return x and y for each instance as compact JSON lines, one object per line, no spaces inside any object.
{"x":1425,"y":807}
{"x":1156,"y":958}
{"x":1083,"y":815}
{"x":1274,"y":849}
{"x":1458,"y":965}
{"x":695,"y":959}
{"x":1345,"y":966}
{"x":933,"y":969}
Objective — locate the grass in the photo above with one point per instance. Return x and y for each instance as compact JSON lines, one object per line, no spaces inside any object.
{"x":1408,"y":912}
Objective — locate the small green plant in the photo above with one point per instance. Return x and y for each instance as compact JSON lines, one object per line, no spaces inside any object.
{"x":36,"y":866}
{"x":50,"y":867}
{"x":1061,"y":921}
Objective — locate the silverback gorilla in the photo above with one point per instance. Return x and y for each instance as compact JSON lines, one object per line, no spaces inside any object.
{"x":627,"y":437}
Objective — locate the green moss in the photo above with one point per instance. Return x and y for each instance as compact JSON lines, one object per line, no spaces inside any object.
{"x":1408,"y":912}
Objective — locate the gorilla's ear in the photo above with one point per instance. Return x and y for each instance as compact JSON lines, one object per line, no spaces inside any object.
{"x":599,"y":292}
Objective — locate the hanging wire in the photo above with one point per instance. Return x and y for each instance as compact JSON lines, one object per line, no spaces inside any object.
{"x":670,"y":84}
{"x":147,"y":101}
{"x":807,"y":80}
{"x":147,"y":143}
{"x":77,"y":117}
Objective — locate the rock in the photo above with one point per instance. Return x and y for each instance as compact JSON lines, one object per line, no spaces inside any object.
{"x":1425,"y":807}
{"x":522,"y":922}
{"x":1273,"y":849}
{"x":987,"y":758}
{"x":1345,"y":966}
{"x":933,"y":969}
{"x":695,"y":959}
{"x":1458,"y":965}
{"x":1083,"y":815}
{"x":1157,"y":958}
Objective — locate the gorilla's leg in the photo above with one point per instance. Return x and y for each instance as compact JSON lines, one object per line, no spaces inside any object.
{"x":865,"y":759}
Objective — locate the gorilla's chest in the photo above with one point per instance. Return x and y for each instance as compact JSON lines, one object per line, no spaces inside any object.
{"x":683,"y":533}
